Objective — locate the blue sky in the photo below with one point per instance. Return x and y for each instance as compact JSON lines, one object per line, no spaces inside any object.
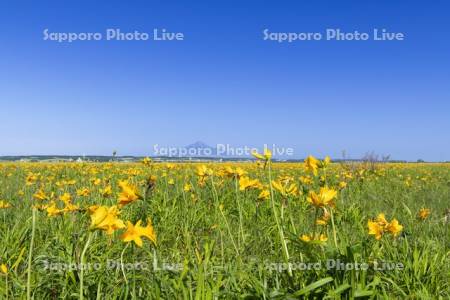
{"x":224,"y":84}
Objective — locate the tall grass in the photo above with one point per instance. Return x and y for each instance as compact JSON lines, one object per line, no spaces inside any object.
{"x":216,"y":241}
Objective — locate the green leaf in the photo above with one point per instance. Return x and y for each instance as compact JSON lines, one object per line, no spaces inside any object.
{"x":313,"y":286}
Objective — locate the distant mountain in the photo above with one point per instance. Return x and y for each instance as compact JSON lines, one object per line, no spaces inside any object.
{"x":200,"y":149}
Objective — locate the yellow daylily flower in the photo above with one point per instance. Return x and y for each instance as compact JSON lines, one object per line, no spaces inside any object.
{"x":247,"y":183}
{"x":4,"y":204}
{"x":106,"y":219}
{"x":128,"y":194}
{"x":323,"y":238}
{"x":4,"y":269}
{"x":147,"y":161}
{"x":106,"y":191}
{"x":422,"y":214}
{"x":203,"y":171}
{"x":316,"y":239}
{"x":31,"y":179}
{"x":284,"y":189}
{"x":264,"y":195}
{"x":312,"y":164}
{"x":326,"y":161}
{"x":96,"y":181}
{"x":375,"y":229}
{"x":135,"y":232}
{"x":70,"y":208}
{"x":91,"y":209}
{"x":266,"y":156}
{"x":380,"y":225}
{"x":53,"y":210}
{"x":230,"y":172}
{"x":342,"y":184}
{"x":40,"y":195}
{"x":83,"y":192}
{"x":381,"y":220}
{"x":325,"y":197}
{"x":187,"y":187}
{"x":66,"y":198}
{"x":305,"y":238}
{"x":394,"y":227}
{"x":306,"y":180}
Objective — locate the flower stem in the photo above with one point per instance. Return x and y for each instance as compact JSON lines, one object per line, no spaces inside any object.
{"x":83,"y":262}
{"x":229,"y":232}
{"x":334,"y":228}
{"x":30,"y":254}
{"x":240,"y":211}
{"x":121,"y":263}
{"x":315,"y":222}
{"x":277,"y":221}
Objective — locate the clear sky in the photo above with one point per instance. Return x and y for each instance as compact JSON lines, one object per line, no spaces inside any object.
{"x":223,"y":83}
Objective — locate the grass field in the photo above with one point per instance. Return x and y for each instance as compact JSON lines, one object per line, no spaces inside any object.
{"x":257,"y":230}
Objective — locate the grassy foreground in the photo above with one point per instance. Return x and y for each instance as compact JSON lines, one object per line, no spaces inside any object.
{"x":257,"y":230}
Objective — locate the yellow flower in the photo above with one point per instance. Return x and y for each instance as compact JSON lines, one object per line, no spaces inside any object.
{"x":31,"y":179}
{"x":247,"y":183}
{"x":284,"y":189}
{"x":66,"y":198}
{"x":342,"y":184}
{"x":147,"y":161}
{"x":306,"y":180}
{"x":148,"y":231}
{"x":132,"y":234}
{"x":230,"y":172}
{"x":70,"y":208}
{"x":326,"y":162}
{"x":323,"y":238}
{"x":83,"y":192}
{"x":106,"y":192}
{"x":311,"y":164}
{"x":40,"y":207}
{"x":96,"y":181}
{"x":203,"y":171}
{"x":4,"y":204}
{"x":4,"y":269}
{"x":151,"y":181}
{"x":264,"y":195}
{"x":106,"y":219}
{"x":324,"y":198}
{"x":52,"y":210}
{"x":40,"y":195}
{"x":317,"y":239}
{"x":128,"y":194}
{"x":422,"y":215}
{"x":266,"y":156}
{"x":394,"y":227}
{"x":187,"y":187}
{"x":375,"y":229}
{"x":380,"y":225}
{"x":71,"y":182}
{"x":135,"y":232}
{"x":170,"y":166}
{"x":305,"y":238}
{"x":91,"y":209}
{"x":381,"y":220}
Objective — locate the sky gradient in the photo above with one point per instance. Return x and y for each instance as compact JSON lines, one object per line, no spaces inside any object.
{"x":224,"y":84}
